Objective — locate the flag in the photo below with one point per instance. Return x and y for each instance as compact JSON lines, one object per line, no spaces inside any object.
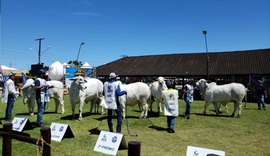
{"x":23,"y":78}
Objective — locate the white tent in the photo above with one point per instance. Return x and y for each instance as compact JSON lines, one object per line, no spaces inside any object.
{"x":7,"y":68}
{"x":86,"y":65}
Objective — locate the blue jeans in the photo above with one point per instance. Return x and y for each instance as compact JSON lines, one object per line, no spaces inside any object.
{"x":41,"y":110}
{"x":10,"y":105}
{"x":261,"y":101}
{"x":170,"y":121}
{"x":188,"y":103}
{"x":119,"y":119}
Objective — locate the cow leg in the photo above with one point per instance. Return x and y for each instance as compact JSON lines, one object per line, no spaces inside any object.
{"x":31,"y":107}
{"x":239,"y":104}
{"x":205,"y":107}
{"x":146,"y":110}
{"x":159,"y":107}
{"x":80,"y":111}
{"x":56,"y":101}
{"x":62,"y":105}
{"x":235,"y":108}
{"x":216,"y":107}
{"x":73,"y":110}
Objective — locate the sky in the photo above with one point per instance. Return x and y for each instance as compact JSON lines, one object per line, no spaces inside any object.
{"x":111,"y":29}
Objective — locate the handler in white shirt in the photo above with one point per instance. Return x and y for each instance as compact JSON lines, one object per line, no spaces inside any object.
{"x":12,"y":93}
{"x":170,"y":98}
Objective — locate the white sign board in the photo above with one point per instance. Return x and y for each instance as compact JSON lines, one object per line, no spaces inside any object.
{"x":198,"y":151}
{"x":108,"y":142}
{"x":19,"y":123}
{"x":58,"y":131}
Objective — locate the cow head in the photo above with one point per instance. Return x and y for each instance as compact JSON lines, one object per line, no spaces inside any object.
{"x":202,"y":85}
{"x":78,"y":82}
{"x":162,"y":83}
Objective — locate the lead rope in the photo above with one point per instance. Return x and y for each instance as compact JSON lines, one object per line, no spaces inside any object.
{"x":39,"y":149}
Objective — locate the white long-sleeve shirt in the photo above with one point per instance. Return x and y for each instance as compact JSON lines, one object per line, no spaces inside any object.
{"x":11,"y":87}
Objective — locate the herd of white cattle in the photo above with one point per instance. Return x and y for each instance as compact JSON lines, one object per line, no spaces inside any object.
{"x":85,"y":90}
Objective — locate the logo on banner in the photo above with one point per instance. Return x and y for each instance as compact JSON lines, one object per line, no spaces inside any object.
{"x":20,"y":124}
{"x":60,"y":131}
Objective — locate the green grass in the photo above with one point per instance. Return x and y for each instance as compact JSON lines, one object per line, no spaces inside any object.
{"x":248,"y":135}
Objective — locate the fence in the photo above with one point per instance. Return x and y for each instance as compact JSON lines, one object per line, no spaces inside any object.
{"x":8,"y":135}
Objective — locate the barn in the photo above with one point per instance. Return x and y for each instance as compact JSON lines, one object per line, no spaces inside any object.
{"x":245,"y":67}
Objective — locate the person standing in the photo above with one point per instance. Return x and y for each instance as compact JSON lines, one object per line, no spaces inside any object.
{"x":41,"y":95}
{"x":112,"y":91}
{"x":170,"y":98}
{"x":188,"y":96}
{"x":12,"y":93}
{"x":261,"y":94}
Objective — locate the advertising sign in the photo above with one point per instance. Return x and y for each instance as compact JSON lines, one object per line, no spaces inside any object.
{"x":109,"y":142}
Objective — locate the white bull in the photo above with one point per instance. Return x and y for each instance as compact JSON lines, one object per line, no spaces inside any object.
{"x":57,"y":93}
{"x":84,"y":90}
{"x":222,"y":94}
{"x":156,"y":90}
{"x":137,"y":93}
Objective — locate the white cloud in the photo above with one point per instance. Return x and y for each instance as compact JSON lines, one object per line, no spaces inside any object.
{"x":85,"y":14}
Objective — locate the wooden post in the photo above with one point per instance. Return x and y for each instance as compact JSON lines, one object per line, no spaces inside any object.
{"x":46,"y":135}
{"x":7,"y":146}
{"x":134,"y":148}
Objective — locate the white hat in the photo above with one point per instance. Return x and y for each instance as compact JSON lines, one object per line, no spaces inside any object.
{"x":10,"y":73}
{"x":112,"y":75}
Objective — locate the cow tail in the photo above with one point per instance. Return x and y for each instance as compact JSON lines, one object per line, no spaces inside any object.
{"x":246,"y":98}
{"x":127,"y":119}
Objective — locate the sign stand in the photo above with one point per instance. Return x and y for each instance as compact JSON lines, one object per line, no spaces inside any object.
{"x":109,"y":143}
{"x":60,"y":131}
{"x":20,"y":124}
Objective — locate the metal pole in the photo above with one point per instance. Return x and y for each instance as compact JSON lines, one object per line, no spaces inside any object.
{"x":207,"y":62}
{"x":39,"y":49}
{"x":79,"y":51}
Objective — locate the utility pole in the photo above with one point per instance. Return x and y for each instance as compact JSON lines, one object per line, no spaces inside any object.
{"x":39,"y":49}
{"x":207,"y":62}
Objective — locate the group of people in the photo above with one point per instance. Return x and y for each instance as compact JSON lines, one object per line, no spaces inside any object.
{"x":41,"y":95}
{"x":113,"y":89}
{"x":112,"y":92}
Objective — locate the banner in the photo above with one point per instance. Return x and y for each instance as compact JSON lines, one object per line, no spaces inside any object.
{"x":20,"y":124}
{"x":60,"y":131}
{"x":198,"y":151}
{"x":109,"y":142}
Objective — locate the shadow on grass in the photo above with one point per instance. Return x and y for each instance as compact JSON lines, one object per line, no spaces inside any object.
{"x":94,"y":131}
{"x":76,"y":116}
{"x":158,"y":128}
{"x":212,"y":115}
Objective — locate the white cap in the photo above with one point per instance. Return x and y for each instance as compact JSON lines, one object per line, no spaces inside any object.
{"x":10,"y":73}
{"x":112,"y":75}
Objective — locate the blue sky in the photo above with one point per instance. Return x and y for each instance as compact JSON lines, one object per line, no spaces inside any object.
{"x":113,"y":28}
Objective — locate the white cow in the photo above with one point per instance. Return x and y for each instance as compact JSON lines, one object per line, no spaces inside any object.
{"x":212,"y":93}
{"x":137,"y":93}
{"x":83,"y":90}
{"x":156,"y":90}
{"x":57,"y":93}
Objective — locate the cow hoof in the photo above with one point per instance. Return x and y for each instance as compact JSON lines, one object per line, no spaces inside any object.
{"x":79,"y":119}
{"x":63,"y":112}
{"x":31,"y":114}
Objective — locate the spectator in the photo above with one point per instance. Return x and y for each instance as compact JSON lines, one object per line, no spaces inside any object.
{"x":188,"y":96}
{"x":261,"y":94}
